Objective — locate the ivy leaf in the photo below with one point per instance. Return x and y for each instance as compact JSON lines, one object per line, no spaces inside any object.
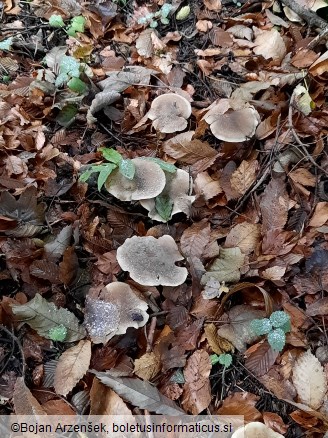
{"x":127,"y":168}
{"x":45,"y":318}
{"x":164,"y":206}
{"x":111,"y":155}
{"x":104,"y":174}
{"x":167,"y":167}
{"x":277,"y":339}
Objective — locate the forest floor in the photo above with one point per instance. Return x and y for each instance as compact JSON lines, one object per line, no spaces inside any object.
{"x":239,"y":144}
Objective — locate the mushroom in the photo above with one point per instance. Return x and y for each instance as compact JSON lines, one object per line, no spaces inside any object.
{"x":113,"y":312}
{"x":176,"y":189}
{"x":169,"y":113}
{"x":255,"y":429}
{"x":232,"y":120}
{"x":151,"y":261}
{"x":148,"y":182}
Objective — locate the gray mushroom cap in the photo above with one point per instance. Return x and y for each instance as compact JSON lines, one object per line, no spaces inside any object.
{"x":148,"y":182}
{"x":169,"y":113}
{"x":176,"y":188}
{"x":151,"y":261}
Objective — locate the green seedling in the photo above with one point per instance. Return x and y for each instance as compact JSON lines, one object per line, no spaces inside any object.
{"x":275,"y":328}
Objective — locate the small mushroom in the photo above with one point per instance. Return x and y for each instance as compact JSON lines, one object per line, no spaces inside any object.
{"x":169,"y":113}
{"x":255,"y":429}
{"x":113,"y":312}
{"x":151,"y":261}
{"x":148,"y":182}
{"x":232,"y":121}
{"x":176,"y":189}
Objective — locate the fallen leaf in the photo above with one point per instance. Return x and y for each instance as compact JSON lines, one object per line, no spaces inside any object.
{"x":244,"y":235}
{"x":260,"y":359}
{"x":320,"y":215}
{"x":206,"y":186}
{"x":274,"y":205}
{"x":244,"y":176}
{"x":24,"y":402}
{"x":148,"y":366}
{"x":195,"y":239}
{"x":318,"y":308}
{"x":72,"y":366}
{"x":226,"y":267}
{"x":303,"y":176}
{"x":269,"y":44}
{"x":240,"y":403}
{"x":104,"y":401}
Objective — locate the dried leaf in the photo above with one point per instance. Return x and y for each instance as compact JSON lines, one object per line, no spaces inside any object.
{"x":274,"y":206}
{"x":320,"y":215}
{"x":244,"y":176}
{"x":206,"y":186}
{"x":218,"y":344}
{"x":310,"y":380}
{"x":46,"y":270}
{"x":226,"y":267}
{"x":270,"y":44}
{"x":71,"y":367}
{"x":318,"y":308}
{"x":240,"y":403}
{"x":195,"y":239}
{"x":261,"y":359}
{"x":197,"y":390}
{"x":57,"y":247}
{"x":24,"y":402}
{"x":139,"y":393}
{"x":104,"y":401}
{"x":43,"y":316}
{"x":148,"y":366}
{"x":244,"y":235}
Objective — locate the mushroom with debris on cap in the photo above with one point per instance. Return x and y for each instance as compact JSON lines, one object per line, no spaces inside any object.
{"x":151,"y":261}
{"x":115,"y":310}
{"x":232,"y":120}
{"x":169,"y":113}
{"x":255,"y":429}
{"x":176,"y":191}
{"x":148,"y":182}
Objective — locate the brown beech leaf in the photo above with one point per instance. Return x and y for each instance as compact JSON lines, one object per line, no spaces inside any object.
{"x":104,"y":401}
{"x":188,"y":151}
{"x":244,"y":176}
{"x":241,"y":403}
{"x":274,"y":205}
{"x":195,"y":238}
{"x":318,"y":308}
{"x":197,"y":390}
{"x":206,"y":186}
{"x":260,"y":358}
{"x":218,"y":344}
{"x":148,"y":366}
{"x":320,"y":215}
{"x":58,"y":407}
{"x":69,"y":266}
{"x":24,"y":402}
{"x":275,"y":422}
{"x":245,"y":235}
{"x":71,"y":367}
{"x":270,"y":44}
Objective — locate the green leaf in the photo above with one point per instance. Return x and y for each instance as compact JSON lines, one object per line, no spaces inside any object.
{"x":277,"y":339}
{"x":111,"y":155}
{"x":279,"y":318}
{"x":86,"y":175}
{"x":58,"y":333}
{"x":164,"y":206}
{"x":127,"y":168}
{"x":225,"y":360}
{"x":70,"y":66}
{"x":67,"y":115}
{"x":183,"y":13}
{"x":167,"y":167}
{"x":76,"y":85}
{"x":104,"y":174}
{"x":214,"y":359}
{"x":78,"y":23}
{"x":71,"y":31}
{"x":261,"y":326}
{"x":56,"y":21}
{"x":43,"y":317}
{"x":6,"y":44}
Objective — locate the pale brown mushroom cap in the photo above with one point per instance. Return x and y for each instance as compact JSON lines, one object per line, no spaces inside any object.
{"x":176,"y":188}
{"x":255,"y":429}
{"x":230,"y":123}
{"x":151,"y":262}
{"x":169,"y":113}
{"x":148,"y":182}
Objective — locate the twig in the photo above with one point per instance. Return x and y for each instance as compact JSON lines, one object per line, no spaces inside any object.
{"x":321,"y":36}
{"x":150,"y":337}
{"x":17,"y":341}
{"x":310,"y":17}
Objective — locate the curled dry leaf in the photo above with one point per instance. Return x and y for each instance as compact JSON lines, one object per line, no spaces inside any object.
{"x":270,"y":44}
{"x":169,"y":113}
{"x":320,"y":215}
{"x":310,"y":380}
{"x":226,"y":267}
{"x":232,"y":120}
{"x":256,"y":429}
{"x":148,"y":182}
{"x":151,"y":262}
{"x":71,"y":367}
{"x":176,"y":192}
{"x":117,"y":309}
{"x":206,"y":186}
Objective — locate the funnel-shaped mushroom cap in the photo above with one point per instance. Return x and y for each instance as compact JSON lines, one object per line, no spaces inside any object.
{"x":255,"y":429}
{"x":176,"y":189}
{"x":169,"y":113}
{"x":151,"y":262}
{"x":230,"y":123}
{"x":148,"y":182}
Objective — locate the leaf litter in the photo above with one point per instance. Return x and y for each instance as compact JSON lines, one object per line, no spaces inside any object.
{"x":223,"y":107}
